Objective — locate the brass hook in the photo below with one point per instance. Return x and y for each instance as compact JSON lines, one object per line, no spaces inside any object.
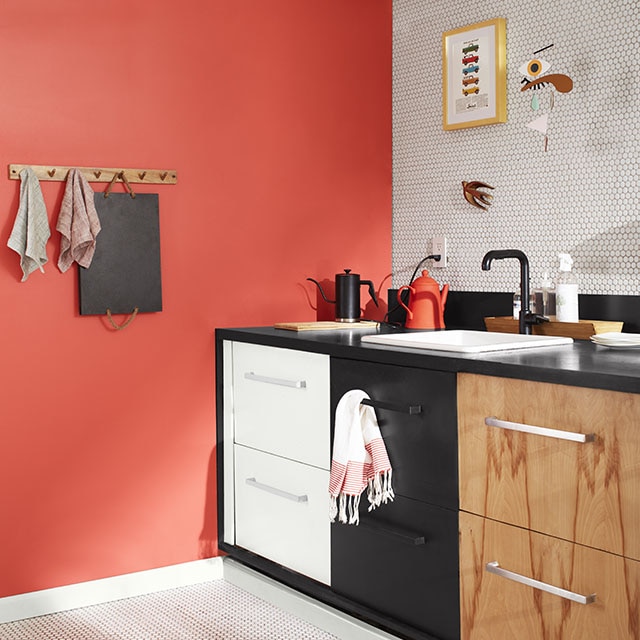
{"x":51,"y":172}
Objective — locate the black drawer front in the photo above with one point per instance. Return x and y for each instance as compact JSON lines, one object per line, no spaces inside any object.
{"x":402,"y":561}
{"x":422,"y":447}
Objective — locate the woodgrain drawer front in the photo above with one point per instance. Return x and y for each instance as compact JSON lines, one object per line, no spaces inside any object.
{"x":577,"y":477}
{"x":281,"y":402}
{"x":282,"y":511}
{"x":499,"y":601}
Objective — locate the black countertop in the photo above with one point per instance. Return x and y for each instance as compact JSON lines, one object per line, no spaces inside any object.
{"x":581,"y":364}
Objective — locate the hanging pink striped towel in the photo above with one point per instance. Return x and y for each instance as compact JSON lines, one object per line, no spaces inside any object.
{"x":359,"y":460}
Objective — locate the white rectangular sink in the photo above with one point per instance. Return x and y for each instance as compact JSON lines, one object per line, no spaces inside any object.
{"x":463,"y":341}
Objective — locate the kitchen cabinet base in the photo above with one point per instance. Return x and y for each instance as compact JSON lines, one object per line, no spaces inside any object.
{"x":323,"y":594}
{"x":311,"y":610}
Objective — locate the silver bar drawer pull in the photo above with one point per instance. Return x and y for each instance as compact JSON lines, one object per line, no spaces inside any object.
{"x":540,"y":431}
{"x":494,"y":567}
{"x":297,"y":384}
{"x":252,"y":482}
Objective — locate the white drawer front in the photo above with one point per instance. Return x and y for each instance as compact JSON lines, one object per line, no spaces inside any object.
{"x":281,"y":402}
{"x":282,"y":512}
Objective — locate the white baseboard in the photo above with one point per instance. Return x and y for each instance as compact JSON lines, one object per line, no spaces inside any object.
{"x":312,"y":611}
{"x":84,"y":594}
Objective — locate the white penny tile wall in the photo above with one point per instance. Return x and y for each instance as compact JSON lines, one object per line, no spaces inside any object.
{"x":581,"y":196}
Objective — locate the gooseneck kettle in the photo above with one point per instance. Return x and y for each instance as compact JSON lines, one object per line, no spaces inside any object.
{"x":348,"y":295}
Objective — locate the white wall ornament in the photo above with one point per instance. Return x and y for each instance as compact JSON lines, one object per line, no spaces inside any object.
{"x":536,"y":77}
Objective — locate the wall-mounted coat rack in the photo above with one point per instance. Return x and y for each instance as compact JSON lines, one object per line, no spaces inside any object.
{"x":98,"y":174}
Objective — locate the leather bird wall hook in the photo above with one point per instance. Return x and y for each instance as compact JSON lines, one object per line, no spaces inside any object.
{"x":474,"y":196}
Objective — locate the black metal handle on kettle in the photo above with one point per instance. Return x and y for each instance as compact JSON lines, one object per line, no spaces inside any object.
{"x":372,"y":291}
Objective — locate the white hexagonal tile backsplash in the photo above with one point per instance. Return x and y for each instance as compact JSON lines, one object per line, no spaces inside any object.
{"x":581,"y":196}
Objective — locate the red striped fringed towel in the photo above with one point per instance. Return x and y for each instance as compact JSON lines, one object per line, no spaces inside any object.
{"x":359,"y":460}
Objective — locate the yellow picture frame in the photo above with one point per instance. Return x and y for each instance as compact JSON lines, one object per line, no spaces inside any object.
{"x":474,"y":75}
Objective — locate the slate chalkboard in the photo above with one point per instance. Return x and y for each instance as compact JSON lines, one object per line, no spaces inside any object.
{"x":125,"y":271}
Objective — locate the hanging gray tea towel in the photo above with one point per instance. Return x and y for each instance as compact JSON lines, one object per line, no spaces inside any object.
{"x":78,"y":222}
{"x":31,"y":228}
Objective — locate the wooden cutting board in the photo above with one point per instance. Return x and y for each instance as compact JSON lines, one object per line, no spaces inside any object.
{"x":581,"y":330}
{"x":325,"y":325}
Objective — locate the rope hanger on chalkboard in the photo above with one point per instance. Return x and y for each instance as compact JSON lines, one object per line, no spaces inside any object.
{"x":127,"y":186}
{"x":126,"y":323}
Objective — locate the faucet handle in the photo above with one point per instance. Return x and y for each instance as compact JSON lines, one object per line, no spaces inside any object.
{"x":535,"y":318}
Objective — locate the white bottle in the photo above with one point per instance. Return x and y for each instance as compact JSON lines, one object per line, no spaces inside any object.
{"x":517,"y":305}
{"x":566,"y":291}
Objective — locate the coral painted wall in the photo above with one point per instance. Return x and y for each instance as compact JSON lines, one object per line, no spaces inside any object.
{"x":276,"y":116}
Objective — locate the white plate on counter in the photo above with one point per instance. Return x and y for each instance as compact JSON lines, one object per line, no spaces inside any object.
{"x":617,"y":340}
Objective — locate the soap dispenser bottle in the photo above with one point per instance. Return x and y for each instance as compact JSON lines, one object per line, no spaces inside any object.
{"x":545,"y":297}
{"x":566,"y":291}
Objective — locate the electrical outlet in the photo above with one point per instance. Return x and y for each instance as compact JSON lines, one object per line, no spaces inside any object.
{"x":439,"y":247}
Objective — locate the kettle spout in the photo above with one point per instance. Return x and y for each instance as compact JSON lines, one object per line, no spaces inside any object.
{"x":324,"y":297}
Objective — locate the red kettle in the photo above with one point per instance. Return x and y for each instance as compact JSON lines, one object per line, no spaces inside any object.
{"x":426,"y":303}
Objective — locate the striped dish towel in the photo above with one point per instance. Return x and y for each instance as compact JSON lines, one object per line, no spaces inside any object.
{"x":359,"y":460}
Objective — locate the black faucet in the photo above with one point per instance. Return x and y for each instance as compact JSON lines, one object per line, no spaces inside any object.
{"x":526,"y":318}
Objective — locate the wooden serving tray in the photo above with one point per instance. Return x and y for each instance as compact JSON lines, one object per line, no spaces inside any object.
{"x":327,"y":325}
{"x":581,"y":330}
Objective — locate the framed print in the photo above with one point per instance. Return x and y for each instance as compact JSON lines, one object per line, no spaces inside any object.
{"x":474,"y":69}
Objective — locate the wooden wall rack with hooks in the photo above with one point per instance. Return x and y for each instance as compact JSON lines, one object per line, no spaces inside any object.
{"x":97,"y":174}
